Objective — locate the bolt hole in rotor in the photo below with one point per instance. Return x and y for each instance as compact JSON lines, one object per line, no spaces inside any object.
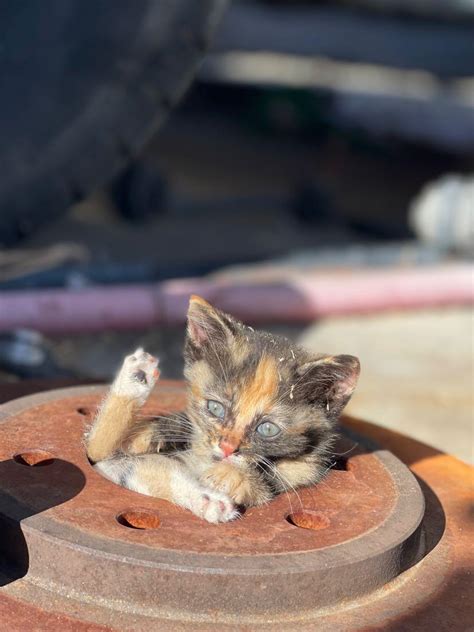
{"x":341,"y":464}
{"x":309,"y":520}
{"x":139,"y":519}
{"x":34,"y":458}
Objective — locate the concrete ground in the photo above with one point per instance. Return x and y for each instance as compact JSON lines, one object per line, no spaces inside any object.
{"x":417,"y":372}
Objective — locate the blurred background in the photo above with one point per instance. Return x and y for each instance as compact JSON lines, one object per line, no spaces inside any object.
{"x":305,"y":165}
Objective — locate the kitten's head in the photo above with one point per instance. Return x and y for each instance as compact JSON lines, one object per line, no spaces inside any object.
{"x":253,"y":395}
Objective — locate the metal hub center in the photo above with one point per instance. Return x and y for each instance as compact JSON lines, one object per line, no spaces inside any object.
{"x":77,"y":535}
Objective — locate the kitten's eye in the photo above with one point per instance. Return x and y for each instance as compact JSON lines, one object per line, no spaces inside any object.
{"x":216,"y":408}
{"x":268,"y":429}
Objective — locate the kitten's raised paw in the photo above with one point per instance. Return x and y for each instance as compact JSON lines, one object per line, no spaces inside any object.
{"x":214,"y":507}
{"x":137,"y":376}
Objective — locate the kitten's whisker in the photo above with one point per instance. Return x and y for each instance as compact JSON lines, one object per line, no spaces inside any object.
{"x":184,"y":421}
{"x":271,"y":469}
{"x":159,"y":434}
{"x":175,"y":438}
{"x":179,"y":451}
{"x":323,"y":479}
{"x":171,"y":414}
{"x":181,"y":431}
{"x":346,"y":452}
{"x":284,"y":481}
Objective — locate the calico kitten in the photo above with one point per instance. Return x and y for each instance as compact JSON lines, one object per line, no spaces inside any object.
{"x":260,"y":419}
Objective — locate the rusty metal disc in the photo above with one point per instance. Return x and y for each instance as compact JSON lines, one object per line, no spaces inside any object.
{"x":75,"y":542}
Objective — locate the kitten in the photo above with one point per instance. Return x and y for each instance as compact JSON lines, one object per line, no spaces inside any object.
{"x":260,"y":419}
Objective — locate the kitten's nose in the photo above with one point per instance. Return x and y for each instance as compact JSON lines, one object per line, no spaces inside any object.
{"x":227,"y":448}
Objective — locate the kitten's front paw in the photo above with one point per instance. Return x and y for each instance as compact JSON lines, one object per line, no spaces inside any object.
{"x":230,"y":480}
{"x":214,"y":507}
{"x":137,"y":377}
{"x":242,"y":487}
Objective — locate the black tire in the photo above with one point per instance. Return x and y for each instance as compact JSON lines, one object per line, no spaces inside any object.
{"x":83,"y":85}
{"x":139,"y":193}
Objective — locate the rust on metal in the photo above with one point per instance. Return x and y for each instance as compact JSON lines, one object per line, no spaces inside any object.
{"x":337,"y":554}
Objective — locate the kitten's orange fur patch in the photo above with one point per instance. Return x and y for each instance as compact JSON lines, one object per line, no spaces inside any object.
{"x":258,"y":394}
{"x":116,"y":416}
{"x":194,"y":298}
{"x":196,"y":391}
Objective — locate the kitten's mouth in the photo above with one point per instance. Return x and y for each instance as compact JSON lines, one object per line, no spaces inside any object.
{"x":227,"y":459}
{"x":231,"y":458}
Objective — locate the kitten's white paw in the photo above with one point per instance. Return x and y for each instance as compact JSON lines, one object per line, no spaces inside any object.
{"x":214,"y":507}
{"x":137,"y":376}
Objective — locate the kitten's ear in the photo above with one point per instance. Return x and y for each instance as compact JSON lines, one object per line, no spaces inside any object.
{"x":329,"y":381}
{"x":207,"y":324}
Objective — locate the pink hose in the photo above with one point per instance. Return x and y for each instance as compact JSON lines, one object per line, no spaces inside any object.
{"x":291,"y":297}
